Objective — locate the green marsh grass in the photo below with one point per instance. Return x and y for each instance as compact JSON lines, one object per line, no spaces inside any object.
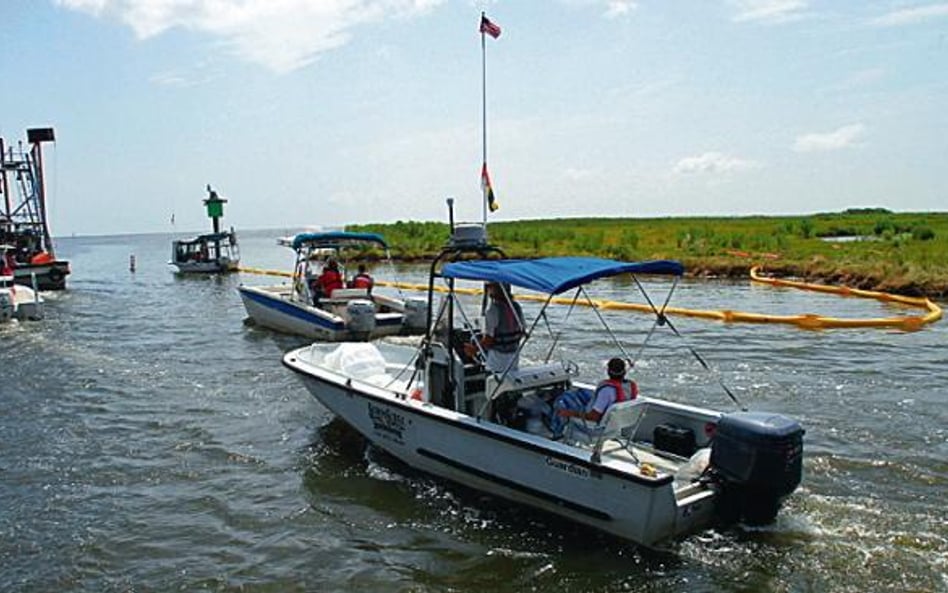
{"x":905,"y":253}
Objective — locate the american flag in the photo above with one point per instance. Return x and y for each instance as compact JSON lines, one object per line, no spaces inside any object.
{"x":490,"y":28}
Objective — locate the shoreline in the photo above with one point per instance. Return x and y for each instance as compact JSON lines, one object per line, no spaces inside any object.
{"x":904,"y":253}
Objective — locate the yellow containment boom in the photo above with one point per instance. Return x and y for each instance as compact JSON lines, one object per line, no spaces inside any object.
{"x":810,"y":321}
{"x":804,"y":321}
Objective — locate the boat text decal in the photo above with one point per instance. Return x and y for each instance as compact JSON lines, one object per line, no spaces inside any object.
{"x":387,"y":423}
{"x":570,"y":468}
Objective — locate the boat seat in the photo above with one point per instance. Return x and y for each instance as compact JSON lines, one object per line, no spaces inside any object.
{"x":618,"y":423}
{"x":344,"y":294}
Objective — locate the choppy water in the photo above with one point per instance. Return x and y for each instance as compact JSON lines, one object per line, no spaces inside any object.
{"x":150,"y":441}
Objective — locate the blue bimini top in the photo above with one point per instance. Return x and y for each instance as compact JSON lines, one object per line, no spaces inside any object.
{"x":553,"y":275}
{"x":336,"y":239}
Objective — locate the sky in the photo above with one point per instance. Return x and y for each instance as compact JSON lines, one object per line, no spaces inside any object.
{"x":322,"y":113}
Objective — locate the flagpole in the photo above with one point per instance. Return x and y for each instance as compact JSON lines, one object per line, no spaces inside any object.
{"x":484,"y":114}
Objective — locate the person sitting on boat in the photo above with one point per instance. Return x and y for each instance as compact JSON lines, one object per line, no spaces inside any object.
{"x":328,"y":281}
{"x":592,"y":406}
{"x":7,"y":263}
{"x":362,"y":280}
{"x":503,"y":329}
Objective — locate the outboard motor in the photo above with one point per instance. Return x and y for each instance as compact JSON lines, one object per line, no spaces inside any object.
{"x":416,"y":314}
{"x":757,"y":460}
{"x":361,"y":315}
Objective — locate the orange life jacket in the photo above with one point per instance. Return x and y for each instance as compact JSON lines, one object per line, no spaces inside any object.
{"x":619,"y":384}
{"x":362,"y":281}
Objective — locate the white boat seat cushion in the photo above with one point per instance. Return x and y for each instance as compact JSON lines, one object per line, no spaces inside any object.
{"x":618,"y":422}
{"x":344,"y":294}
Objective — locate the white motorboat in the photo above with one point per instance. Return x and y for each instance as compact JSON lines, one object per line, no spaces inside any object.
{"x":650,"y":471}
{"x":346,"y":313}
{"x":16,"y":300}
{"x":211,"y":253}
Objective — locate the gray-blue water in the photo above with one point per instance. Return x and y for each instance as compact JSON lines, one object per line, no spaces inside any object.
{"x":151,"y":441}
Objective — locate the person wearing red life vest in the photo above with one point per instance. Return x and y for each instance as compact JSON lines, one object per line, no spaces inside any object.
{"x":328,"y":281}
{"x":6,"y":263}
{"x":362,"y":280}
{"x":613,"y":390}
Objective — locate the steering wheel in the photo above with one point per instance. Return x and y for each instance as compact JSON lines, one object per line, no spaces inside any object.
{"x":571,"y":368}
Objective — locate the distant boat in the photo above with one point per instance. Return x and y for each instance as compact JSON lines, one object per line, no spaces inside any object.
{"x":347,"y":313}
{"x":211,"y":253}
{"x":24,"y":225}
{"x":16,"y":301}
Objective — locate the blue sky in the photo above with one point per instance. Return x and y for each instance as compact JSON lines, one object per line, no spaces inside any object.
{"x":324,"y":112}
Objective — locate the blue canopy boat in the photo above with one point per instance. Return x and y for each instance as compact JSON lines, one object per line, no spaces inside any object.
{"x":347,"y":312}
{"x":650,"y":469}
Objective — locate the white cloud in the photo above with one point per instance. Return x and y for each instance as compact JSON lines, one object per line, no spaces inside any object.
{"x":911,"y":16}
{"x":281,"y":35}
{"x":768,"y":11}
{"x":844,"y":137}
{"x":617,"y":8}
{"x":574,"y":174}
{"x":713,"y":163}
{"x":613,"y":8}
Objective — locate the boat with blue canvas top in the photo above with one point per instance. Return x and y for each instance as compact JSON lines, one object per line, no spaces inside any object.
{"x":353,"y":310}
{"x":651,"y":470}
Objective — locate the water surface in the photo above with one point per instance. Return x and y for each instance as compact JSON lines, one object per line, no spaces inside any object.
{"x":150,"y":441}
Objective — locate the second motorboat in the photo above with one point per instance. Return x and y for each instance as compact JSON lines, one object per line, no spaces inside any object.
{"x":350,"y":311}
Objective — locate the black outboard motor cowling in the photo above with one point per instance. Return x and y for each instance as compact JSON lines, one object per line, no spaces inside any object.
{"x":757,"y":458}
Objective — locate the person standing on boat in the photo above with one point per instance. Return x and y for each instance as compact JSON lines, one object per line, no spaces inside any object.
{"x":503,"y":329}
{"x":362,"y":280}
{"x":592,"y":407}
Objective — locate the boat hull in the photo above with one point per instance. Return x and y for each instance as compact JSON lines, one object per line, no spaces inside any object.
{"x":222,"y":266}
{"x":20,"y":302}
{"x":614,"y":497}
{"x":49,"y":276}
{"x":272,"y":307}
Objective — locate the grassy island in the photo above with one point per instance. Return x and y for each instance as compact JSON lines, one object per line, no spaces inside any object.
{"x":871,"y":248}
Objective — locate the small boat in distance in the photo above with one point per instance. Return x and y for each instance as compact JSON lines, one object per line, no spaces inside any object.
{"x":352,"y":310}
{"x":212,"y":253}
{"x":24,"y":221}
{"x":16,"y":301}
{"x":651,"y":470}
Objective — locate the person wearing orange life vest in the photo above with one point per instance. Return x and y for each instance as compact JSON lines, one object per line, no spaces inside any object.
{"x":613,"y":390}
{"x":362,"y":280}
